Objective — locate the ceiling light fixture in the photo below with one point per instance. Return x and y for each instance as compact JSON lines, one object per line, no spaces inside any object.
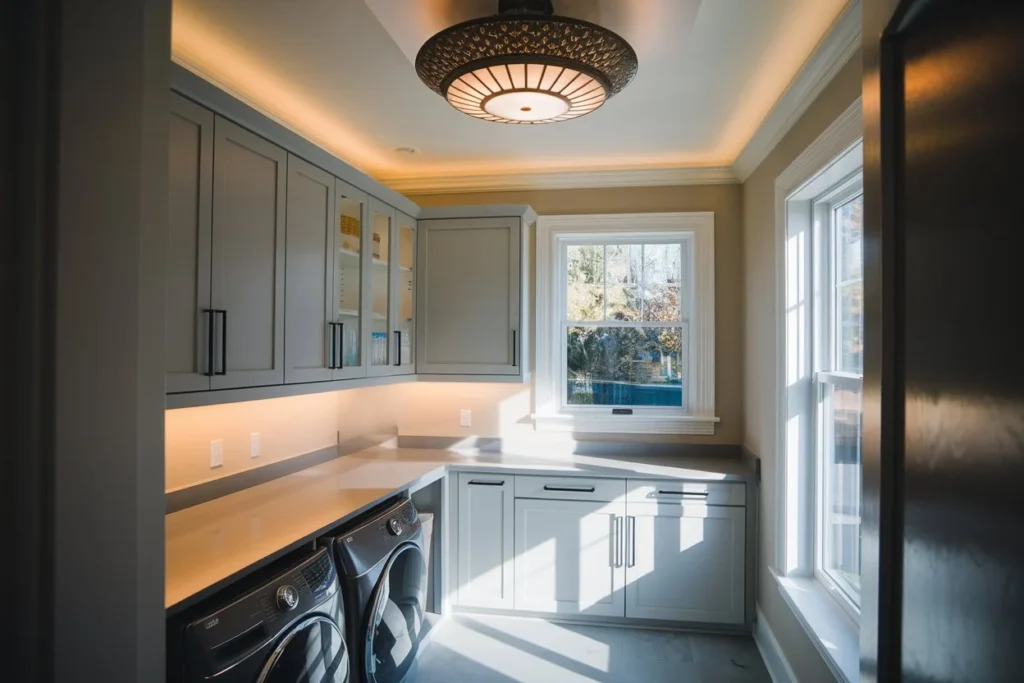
{"x":525,"y":65}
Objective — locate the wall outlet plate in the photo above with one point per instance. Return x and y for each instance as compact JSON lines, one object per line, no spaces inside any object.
{"x":254,"y":445}
{"x":216,"y":453}
{"x":466,"y":418}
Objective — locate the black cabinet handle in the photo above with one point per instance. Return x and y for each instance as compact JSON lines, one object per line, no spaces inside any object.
{"x":478,"y":482}
{"x":330,"y":346}
{"x":341,"y":346}
{"x":631,"y":541}
{"x":398,"y":348}
{"x":570,"y":489}
{"x":515,"y":361}
{"x":695,"y":494}
{"x":223,"y":341}
{"x":208,"y":313}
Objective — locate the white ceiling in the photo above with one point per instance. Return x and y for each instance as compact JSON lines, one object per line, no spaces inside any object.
{"x":340,"y":73}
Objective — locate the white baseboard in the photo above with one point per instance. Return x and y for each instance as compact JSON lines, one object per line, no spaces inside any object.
{"x":774,"y":660}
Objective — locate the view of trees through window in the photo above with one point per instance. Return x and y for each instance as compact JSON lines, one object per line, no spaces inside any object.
{"x":625,"y":331}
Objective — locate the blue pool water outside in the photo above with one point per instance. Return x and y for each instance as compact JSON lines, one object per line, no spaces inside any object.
{"x":624,"y":394}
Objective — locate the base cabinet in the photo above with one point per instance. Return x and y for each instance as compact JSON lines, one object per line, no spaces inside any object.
{"x":685,"y":562}
{"x":485,"y":546}
{"x":569,"y":557}
{"x":590,"y":547}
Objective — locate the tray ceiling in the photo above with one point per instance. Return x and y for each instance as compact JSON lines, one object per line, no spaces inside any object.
{"x":340,"y":73}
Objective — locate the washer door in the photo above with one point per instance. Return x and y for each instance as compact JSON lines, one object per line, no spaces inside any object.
{"x":314,"y":650}
{"x":395,"y":620}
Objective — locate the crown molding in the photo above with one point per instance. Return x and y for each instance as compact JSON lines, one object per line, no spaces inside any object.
{"x":833,"y":52}
{"x":563,"y":180}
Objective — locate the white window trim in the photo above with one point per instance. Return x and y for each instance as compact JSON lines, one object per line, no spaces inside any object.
{"x":549,"y":413}
{"x":829,"y":626}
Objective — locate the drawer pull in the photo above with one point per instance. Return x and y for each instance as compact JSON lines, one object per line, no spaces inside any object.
{"x":477,"y":482}
{"x":696,"y":494}
{"x":570,"y":489}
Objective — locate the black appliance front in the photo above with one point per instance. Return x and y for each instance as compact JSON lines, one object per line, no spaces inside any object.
{"x":384,"y":577}
{"x":395,"y":617}
{"x":288,"y":628}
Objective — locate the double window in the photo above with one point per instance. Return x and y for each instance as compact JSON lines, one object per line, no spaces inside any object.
{"x":838,"y":345}
{"x":625,"y":342}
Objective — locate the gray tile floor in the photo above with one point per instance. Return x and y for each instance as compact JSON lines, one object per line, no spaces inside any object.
{"x":492,"y":649}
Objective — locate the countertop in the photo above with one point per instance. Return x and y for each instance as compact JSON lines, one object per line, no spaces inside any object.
{"x":217,"y":541}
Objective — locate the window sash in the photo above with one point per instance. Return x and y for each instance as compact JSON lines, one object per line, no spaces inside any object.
{"x":563,"y":322}
{"x":826,"y":353}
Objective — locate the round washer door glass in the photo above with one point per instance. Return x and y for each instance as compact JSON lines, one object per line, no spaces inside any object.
{"x":396,"y":617}
{"x":313,"y":651}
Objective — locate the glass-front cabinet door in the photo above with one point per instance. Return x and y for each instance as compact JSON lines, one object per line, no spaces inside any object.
{"x":351,"y":251}
{"x":405,"y":325}
{"x":380,"y":284}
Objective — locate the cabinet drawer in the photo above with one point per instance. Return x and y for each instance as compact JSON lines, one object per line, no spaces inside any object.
{"x":570,"y":488}
{"x":668,"y":491}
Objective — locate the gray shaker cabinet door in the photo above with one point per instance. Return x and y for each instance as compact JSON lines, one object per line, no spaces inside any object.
{"x":187,"y":274}
{"x":469,"y":296}
{"x":309,"y":279}
{"x":249,"y":176}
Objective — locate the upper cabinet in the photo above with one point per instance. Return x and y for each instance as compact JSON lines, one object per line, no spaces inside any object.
{"x":310,"y":332}
{"x":283,"y":269}
{"x":392,"y":295}
{"x":471,"y":308}
{"x":249,"y":176}
{"x":188,"y":314}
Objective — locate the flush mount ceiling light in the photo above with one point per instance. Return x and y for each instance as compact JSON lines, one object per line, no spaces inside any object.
{"x":525,"y":65}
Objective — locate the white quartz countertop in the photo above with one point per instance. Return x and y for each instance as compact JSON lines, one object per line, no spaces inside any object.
{"x":211,"y":543}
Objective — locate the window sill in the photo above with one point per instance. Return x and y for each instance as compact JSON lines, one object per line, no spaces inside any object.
{"x":829,"y":627}
{"x":624,"y":424}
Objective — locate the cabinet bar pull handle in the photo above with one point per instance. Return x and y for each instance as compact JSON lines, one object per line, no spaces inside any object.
{"x":515,"y":360}
{"x":570,"y":489}
{"x":631,"y":541}
{"x":223,"y":342}
{"x":618,"y":541}
{"x":330,"y":346}
{"x":697,"y":494}
{"x":209,"y":341}
{"x":341,"y":346}
{"x":398,"y":348}
{"x":478,"y":482}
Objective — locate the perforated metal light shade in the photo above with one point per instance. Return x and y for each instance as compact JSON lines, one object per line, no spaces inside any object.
{"x":526,"y":66}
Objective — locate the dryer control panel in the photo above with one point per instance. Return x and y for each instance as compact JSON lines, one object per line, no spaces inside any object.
{"x":359,"y":549}
{"x":222,"y":638}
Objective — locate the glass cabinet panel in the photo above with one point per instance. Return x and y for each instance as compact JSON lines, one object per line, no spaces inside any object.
{"x":380,"y":285}
{"x":406,"y":290}
{"x":348,"y":280}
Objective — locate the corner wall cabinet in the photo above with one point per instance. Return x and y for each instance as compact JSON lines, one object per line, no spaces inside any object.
{"x":661,"y":550}
{"x":471,"y":304}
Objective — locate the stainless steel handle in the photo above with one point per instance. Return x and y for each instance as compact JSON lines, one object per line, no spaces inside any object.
{"x":631,"y":542}
{"x":478,"y":482}
{"x":570,"y":489}
{"x":617,"y":549}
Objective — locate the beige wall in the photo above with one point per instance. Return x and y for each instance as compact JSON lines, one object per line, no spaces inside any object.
{"x":761,"y":352}
{"x":723,"y":200}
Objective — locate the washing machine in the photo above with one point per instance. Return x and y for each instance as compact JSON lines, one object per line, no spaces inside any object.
{"x":287,"y":627}
{"x":383,"y":571}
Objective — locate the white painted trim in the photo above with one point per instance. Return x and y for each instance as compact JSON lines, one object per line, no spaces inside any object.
{"x":563,"y":180}
{"x":774,"y":658}
{"x":829,"y":628}
{"x":549,"y":415}
{"x":842,"y":134}
{"x":833,"y":52}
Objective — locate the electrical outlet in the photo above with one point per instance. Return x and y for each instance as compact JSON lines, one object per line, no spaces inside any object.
{"x":466,"y":418}
{"x":216,"y":453}
{"x":254,"y":445}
